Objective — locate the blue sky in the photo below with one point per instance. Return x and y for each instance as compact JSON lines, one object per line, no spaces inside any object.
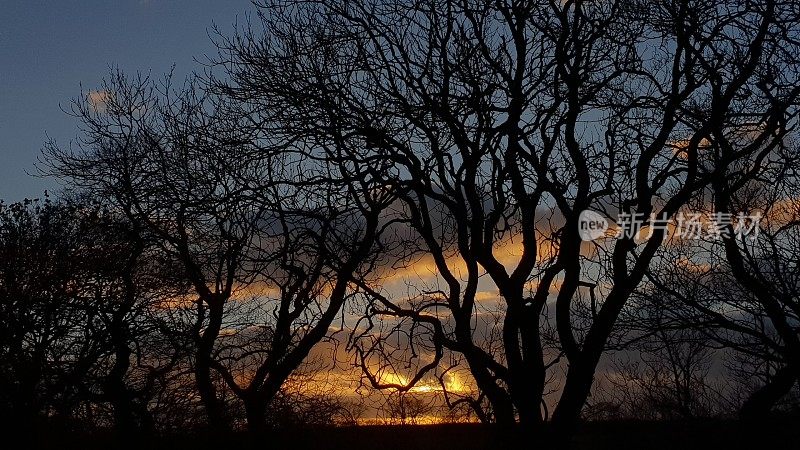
{"x":49,"y":48}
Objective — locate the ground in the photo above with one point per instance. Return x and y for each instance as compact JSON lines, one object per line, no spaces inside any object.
{"x":773,"y":434}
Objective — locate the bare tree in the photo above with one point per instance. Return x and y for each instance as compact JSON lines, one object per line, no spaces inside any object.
{"x":767,"y":268}
{"x":164,"y":168}
{"x":741,"y":290}
{"x":124,"y":286}
{"x":408,"y":408}
{"x":76,"y":292}
{"x":498,"y":123}
{"x":665,"y":376}
{"x":269,"y":237}
{"x":38,"y":271}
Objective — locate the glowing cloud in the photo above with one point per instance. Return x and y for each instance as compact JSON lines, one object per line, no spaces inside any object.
{"x":98,"y":100}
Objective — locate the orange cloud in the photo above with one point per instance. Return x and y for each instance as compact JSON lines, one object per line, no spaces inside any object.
{"x":99,"y":100}
{"x":783,"y":212}
{"x":507,"y":252}
{"x":680,"y":147}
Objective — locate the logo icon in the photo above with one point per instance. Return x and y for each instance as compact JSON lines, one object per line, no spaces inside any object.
{"x":591,"y":225}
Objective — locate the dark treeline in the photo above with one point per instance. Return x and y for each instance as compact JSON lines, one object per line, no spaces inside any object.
{"x":212,"y":233}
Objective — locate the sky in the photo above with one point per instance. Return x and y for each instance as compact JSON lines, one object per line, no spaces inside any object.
{"x":49,"y":49}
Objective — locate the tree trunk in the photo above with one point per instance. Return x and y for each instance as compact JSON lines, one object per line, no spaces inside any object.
{"x":576,"y":390}
{"x":528,"y":390}
{"x":256,"y":411}
{"x":761,"y":402}
{"x":215,"y":417}
{"x":121,"y":398}
{"x":214,"y":409}
{"x":502,"y":405}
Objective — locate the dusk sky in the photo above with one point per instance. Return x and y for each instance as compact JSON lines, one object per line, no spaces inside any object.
{"x":566,"y":224}
{"x":48,"y":49}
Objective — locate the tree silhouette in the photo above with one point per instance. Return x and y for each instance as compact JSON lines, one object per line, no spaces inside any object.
{"x":76,"y":292}
{"x":499,"y":123}
{"x":37,"y":270}
{"x":211,"y":235}
{"x":741,"y":290}
{"x":246,"y":219}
